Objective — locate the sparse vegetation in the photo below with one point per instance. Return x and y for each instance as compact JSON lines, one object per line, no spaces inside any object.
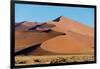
{"x":20,"y":62}
{"x":36,"y":60}
{"x":56,"y":59}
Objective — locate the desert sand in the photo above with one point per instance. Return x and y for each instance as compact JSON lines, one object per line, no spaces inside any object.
{"x":61,"y":36}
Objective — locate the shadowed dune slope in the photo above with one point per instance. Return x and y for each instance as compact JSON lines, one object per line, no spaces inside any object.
{"x":24,"y":39}
{"x":35,"y":50}
{"x":25,"y":25}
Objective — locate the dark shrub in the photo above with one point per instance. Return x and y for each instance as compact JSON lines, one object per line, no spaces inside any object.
{"x":58,"y":60}
{"x":36,"y":60}
{"x":22,"y":62}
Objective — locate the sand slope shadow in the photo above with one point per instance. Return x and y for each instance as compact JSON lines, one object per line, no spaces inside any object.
{"x":34,"y":50}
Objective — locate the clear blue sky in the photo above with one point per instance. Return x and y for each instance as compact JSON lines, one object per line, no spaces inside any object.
{"x":42,"y":13}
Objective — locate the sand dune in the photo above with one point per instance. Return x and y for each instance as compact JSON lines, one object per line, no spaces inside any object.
{"x":65,"y":24}
{"x":59,"y":36}
{"x":78,"y":39}
{"x":24,"y":39}
{"x":83,"y":39}
{"x":66,"y":44}
{"x":25,"y":25}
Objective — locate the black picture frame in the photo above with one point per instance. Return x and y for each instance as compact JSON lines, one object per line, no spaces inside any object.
{"x":12,"y":65}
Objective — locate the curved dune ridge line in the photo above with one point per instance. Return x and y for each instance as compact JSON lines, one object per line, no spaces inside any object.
{"x":27,"y":39}
{"x":24,"y":39}
{"x":65,"y":44}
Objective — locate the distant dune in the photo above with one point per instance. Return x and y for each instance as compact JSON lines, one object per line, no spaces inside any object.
{"x":24,"y":25}
{"x":59,"y":36}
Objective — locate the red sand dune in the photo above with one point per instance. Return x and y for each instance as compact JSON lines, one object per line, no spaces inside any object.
{"x":64,"y":24}
{"x":25,"y":25}
{"x":78,"y":38}
{"x":25,"y":39}
{"x":68,"y":44}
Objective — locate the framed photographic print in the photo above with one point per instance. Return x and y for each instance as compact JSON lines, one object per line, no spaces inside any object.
{"x":50,"y":34}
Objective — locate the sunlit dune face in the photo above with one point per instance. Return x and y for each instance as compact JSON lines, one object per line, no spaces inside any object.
{"x":65,"y":24}
{"x":64,"y":44}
